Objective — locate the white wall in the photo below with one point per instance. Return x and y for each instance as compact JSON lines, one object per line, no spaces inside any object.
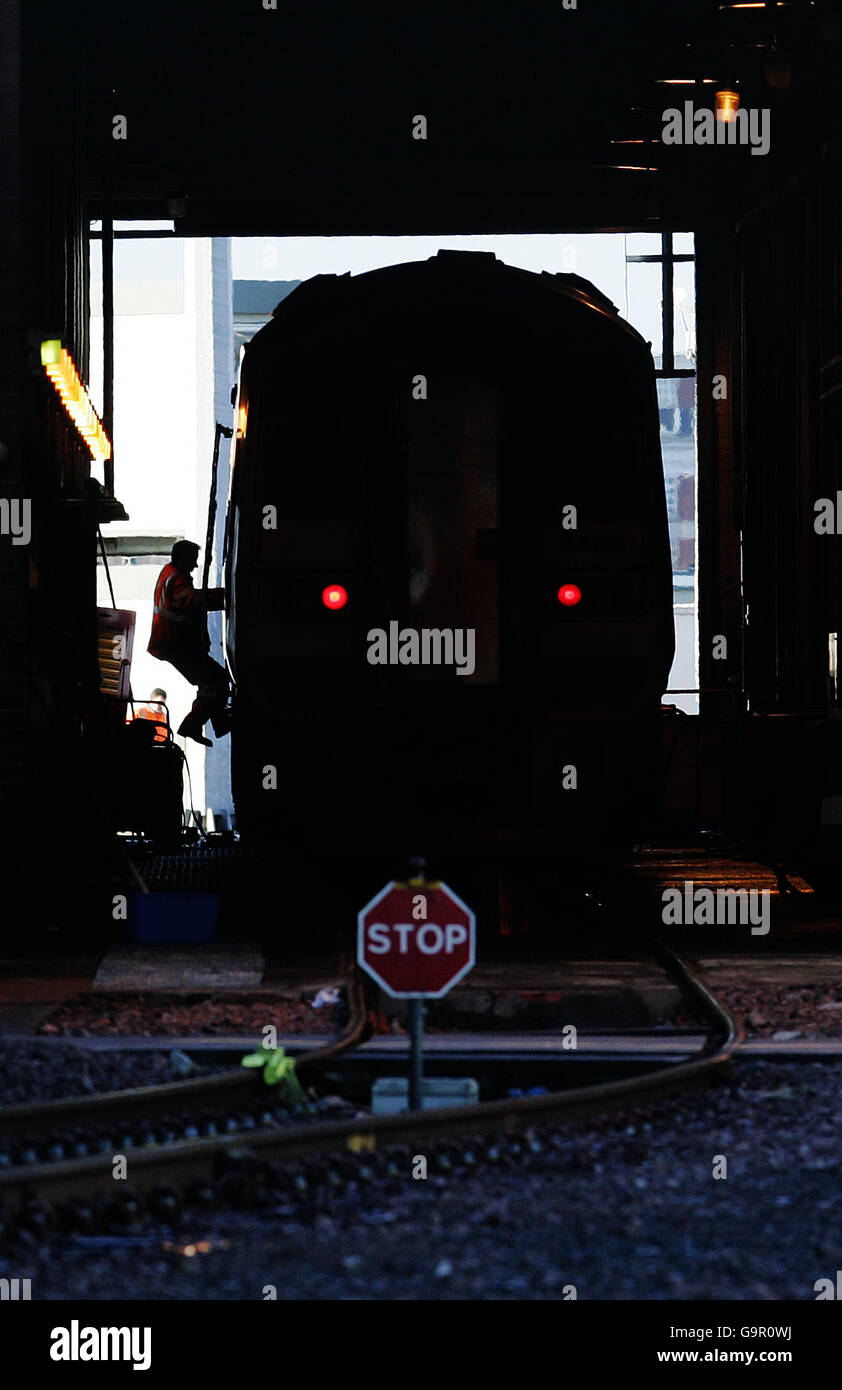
{"x":684,"y":674}
{"x":163,"y":428}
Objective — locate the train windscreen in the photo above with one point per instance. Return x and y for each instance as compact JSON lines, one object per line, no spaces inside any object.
{"x":452,"y":454}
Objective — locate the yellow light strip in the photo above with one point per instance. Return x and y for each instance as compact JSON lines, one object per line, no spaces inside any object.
{"x":60,"y":368}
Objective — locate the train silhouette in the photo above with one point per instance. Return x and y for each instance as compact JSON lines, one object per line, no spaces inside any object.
{"x":449,"y":591}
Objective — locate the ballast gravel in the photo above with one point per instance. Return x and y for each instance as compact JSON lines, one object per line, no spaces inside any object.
{"x":628,"y":1207}
{"x":102,"y":1014}
{"x":32,"y":1071}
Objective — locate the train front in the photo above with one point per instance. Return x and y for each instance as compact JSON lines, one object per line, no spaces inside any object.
{"x":449,"y":584}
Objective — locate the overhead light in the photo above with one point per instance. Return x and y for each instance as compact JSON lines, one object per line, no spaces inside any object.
{"x":686,"y":81}
{"x":60,"y":368}
{"x":727,"y":105}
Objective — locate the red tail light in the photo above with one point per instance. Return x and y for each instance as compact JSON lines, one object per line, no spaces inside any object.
{"x":334,"y":596}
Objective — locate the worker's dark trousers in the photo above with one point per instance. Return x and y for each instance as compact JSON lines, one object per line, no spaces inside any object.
{"x":212,"y":680}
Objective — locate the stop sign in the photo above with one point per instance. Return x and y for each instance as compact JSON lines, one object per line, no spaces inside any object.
{"x":416,"y":941}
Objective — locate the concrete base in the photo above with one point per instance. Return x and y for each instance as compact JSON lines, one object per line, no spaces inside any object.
{"x":390,"y":1094}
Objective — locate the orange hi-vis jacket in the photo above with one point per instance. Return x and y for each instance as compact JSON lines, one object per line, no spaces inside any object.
{"x":177,"y":622}
{"x":153,"y":711}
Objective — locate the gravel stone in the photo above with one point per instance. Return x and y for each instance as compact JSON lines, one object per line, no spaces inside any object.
{"x":651,"y":1225}
{"x":32,"y":1071}
{"x":776,"y":1011}
{"x":102,"y":1013}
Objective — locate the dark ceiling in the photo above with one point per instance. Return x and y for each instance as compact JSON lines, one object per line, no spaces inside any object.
{"x":298,"y":120}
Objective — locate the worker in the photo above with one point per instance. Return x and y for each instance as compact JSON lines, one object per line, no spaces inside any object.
{"x":154,"y":709}
{"x":180,"y":636}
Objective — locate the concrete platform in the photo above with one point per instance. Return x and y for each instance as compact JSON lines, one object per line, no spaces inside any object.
{"x":164,"y":967}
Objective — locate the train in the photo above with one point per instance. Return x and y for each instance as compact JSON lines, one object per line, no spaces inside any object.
{"x":447,"y":568}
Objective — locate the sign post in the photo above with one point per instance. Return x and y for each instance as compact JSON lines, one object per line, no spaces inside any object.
{"x":416,"y":1053}
{"x":416,"y":940}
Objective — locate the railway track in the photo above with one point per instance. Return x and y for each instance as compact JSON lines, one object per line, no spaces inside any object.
{"x":178,"y":1154}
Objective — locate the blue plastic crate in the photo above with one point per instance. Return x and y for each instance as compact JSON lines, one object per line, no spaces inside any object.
{"x":172,"y":916}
